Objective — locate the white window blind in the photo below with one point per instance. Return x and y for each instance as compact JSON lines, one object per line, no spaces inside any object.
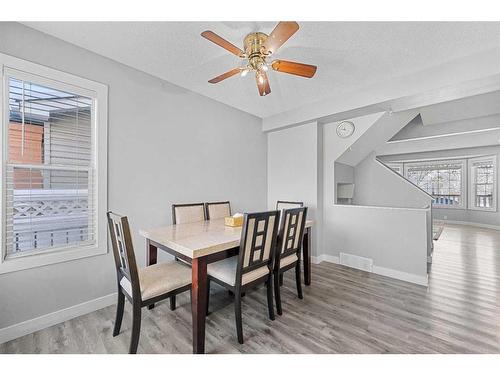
{"x":442,"y":179}
{"x":483,"y":179}
{"x":49,"y":191}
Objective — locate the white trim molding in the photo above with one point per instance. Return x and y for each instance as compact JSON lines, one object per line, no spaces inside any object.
{"x":383,"y":271}
{"x":325,"y":258}
{"x":472,"y":224}
{"x":29,"y":326}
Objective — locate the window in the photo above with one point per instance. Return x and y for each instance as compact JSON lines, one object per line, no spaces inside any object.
{"x":444,"y":180}
{"x":482,"y":189}
{"x":54,"y":166}
{"x":396,"y":167}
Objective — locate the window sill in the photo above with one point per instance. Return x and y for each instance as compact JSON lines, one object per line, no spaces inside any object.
{"x":21,"y":263}
{"x":494,"y":209}
{"x":449,"y":207}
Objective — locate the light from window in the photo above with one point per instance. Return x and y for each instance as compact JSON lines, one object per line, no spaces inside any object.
{"x":442,"y":180}
{"x":49,"y":191}
{"x":483,"y":183}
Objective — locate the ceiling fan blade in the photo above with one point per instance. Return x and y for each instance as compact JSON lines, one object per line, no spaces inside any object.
{"x":214,"y":38}
{"x":290,"y":67}
{"x":225,"y":75}
{"x":263,"y":86}
{"x":281,"y":33}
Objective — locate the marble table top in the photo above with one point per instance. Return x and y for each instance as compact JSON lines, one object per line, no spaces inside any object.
{"x":197,"y":239}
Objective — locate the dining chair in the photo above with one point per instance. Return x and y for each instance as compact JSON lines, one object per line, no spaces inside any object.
{"x":217,"y":210}
{"x":282,"y":205}
{"x":188,"y":213}
{"x":289,"y":249}
{"x":252,"y":266}
{"x":183,"y":214}
{"x":141,"y":286}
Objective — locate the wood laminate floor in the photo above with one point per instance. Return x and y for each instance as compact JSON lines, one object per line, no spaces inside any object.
{"x":343,"y":311}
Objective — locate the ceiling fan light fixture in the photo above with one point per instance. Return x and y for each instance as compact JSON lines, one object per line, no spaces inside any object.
{"x":257,"y":47}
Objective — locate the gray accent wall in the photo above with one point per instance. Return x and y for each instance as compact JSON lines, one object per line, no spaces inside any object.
{"x":166,"y":145}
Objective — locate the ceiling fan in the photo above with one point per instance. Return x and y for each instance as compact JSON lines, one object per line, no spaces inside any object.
{"x":257,"y":48}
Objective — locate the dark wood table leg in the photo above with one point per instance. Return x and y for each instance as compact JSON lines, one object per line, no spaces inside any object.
{"x":199,"y":303}
{"x":306,"y":253}
{"x":151,"y":258}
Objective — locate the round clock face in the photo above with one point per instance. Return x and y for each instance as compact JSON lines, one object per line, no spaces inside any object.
{"x":345,"y":129}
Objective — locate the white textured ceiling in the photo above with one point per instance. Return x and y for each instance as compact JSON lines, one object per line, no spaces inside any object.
{"x":348,"y":55}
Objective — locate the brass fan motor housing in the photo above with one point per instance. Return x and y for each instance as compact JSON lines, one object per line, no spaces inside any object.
{"x":253,"y":45}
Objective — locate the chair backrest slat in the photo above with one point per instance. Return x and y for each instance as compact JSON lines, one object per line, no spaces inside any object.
{"x":217,"y":210}
{"x":291,"y":232}
{"x":258,"y":241}
{"x":123,"y":250}
{"x":188,"y":213}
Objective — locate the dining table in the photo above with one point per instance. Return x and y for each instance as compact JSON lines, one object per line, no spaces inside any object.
{"x":199,"y":244}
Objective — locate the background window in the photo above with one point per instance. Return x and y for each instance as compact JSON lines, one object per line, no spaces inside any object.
{"x":396,"y":167}
{"x":482,"y":183}
{"x":48,"y":190}
{"x":443,"y":180}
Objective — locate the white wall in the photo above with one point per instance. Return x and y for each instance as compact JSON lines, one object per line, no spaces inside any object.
{"x":391,"y":237}
{"x":292,"y":168}
{"x":333,"y":148}
{"x":453,"y":214}
{"x":166,"y":145}
{"x":377,"y":185}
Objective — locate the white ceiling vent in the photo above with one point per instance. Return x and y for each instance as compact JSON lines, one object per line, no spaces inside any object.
{"x":354,"y":261}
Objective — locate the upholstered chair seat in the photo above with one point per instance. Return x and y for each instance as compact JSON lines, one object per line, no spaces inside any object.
{"x":288,"y":260}
{"x":141,"y":286}
{"x":159,"y":279}
{"x":225,"y":271}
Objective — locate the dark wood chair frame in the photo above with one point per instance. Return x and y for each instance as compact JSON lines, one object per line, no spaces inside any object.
{"x":238,"y":289}
{"x":207,"y":204}
{"x":284,"y":237}
{"x":174,"y":206}
{"x":300,"y":204}
{"x":126,"y":266}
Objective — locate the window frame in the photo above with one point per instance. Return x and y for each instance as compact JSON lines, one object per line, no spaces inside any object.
{"x":396,"y":167}
{"x":98,"y":92}
{"x":471,"y":183}
{"x":463,"y":182}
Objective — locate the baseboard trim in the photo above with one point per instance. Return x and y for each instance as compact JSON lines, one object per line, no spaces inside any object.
{"x":472,"y":224}
{"x":389,"y":272}
{"x":29,"y":326}
{"x":325,"y":258}
{"x":400,"y":275}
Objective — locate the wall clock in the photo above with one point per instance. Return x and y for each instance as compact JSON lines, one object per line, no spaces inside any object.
{"x":345,"y":129}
